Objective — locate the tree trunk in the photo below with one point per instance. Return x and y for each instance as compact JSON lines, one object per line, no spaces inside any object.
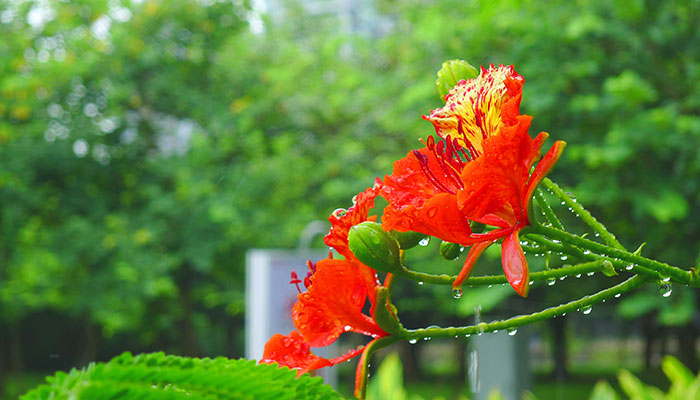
{"x":409,"y":356}
{"x":89,"y":346}
{"x":16,"y":363}
{"x":687,"y":337}
{"x":559,"y":347}
{"x":189,"y":343}
{"x":648,"y":332}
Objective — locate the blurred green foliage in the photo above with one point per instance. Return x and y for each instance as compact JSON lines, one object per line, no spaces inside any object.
{"x":144,"y":146}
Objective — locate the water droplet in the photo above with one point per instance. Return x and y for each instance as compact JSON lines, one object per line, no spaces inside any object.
{"x":629,"y":267}
{"x":531,"y":282}
{"x":512,"y":331}
{"x":665,"y":289}
{"x":339,"y":212}
{"x":495,"y":331}
{"x":618,"y":295}
{"x":427,"y":338}
{"x":347,"y":328}
{"x":551,"y":281}
{"x":562,"y":278}
{"x":425,"y":241}
{"x":412,"y":341}
{"x":420,"y":283}
{"x":578,"y":275}
{"x":666,"y":279}
{"x":597,"y":234}
{"x":467,"y":335}
{"x":456,"y":293}
{"x":591,"y":273}
{"x":586,"y":309}
{"x":564,"y":258}
{"x":490,"y":286}
{"x":586,"y":252}
{"x":556,"y":241}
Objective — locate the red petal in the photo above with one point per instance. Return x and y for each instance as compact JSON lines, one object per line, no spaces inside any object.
{"x":334,"y":301}
{"x":342,"y":220}
{"x":494,"y":182}
{"x":424,"y":204}
{"x":515,"y":264}
{"x":542,"y":169}
{"x":293,"y":352}
{"x":474,"y":254}
{"x":476,"y":109}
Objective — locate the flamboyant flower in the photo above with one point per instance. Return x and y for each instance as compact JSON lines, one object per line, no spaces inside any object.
{"x":337,"y":291}
{"x":480,"y":172}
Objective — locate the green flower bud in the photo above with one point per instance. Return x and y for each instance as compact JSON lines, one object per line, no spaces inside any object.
{"x":408,"y":239}
{"x":374,"y":247}
{"x":608,"y":268}
{"x":450,"y":251}
{"x":451,"y":73}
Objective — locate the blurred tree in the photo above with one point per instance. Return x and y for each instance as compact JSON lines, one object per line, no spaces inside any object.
{"x":144,"y":146}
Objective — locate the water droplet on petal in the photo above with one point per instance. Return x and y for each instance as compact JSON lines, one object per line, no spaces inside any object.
{"x":512,"y":331}
{"x":456,"y":293}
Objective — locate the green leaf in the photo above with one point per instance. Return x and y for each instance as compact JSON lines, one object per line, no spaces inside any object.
{"x":603,"y":391}
{"x":680,"y":376}
{"x":388,"y":381}
{"x":157,"y":376}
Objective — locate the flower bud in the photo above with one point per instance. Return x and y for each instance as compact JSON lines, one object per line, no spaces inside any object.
{"x":451,"y":73}
{"x":450,"y":251}
{"x":408,"y":239}
{"x":608,"y":268}
{"x":374,"y":247}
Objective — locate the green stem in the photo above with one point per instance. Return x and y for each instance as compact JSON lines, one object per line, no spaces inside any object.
{"x":585,"y":216}
{"x":593,"y":266}
{"x":363,"y":367}
{"x":676,"y":274}
{"x":547,"y":210}
{"x":511,"y":323}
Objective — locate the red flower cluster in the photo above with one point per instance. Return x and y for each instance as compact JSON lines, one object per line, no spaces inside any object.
{"x":478,"y":171}
{"x":337,"y":291}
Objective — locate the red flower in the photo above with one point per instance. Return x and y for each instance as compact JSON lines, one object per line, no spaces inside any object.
{"x":337,"y":291}
{"x":479,"y":172}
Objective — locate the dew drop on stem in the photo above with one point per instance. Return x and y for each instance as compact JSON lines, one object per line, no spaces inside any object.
{"x":456,"y":293}
{"x":586,"y":309}
{"x":665,"y":289}
{"x":512,"y":331}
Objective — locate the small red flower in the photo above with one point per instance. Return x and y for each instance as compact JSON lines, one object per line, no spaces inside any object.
{"x":480,"y":171}
{"x":337,"y":291}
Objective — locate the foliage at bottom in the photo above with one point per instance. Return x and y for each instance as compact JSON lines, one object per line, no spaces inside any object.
{"x":159,"y":376}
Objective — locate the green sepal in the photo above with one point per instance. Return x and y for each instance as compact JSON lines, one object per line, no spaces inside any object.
{"x":374,"y":247}
{"x":449,"y":250}
{"x":408,"y":239}
{"x":382,"y":316}
{"x":451,"y":73}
